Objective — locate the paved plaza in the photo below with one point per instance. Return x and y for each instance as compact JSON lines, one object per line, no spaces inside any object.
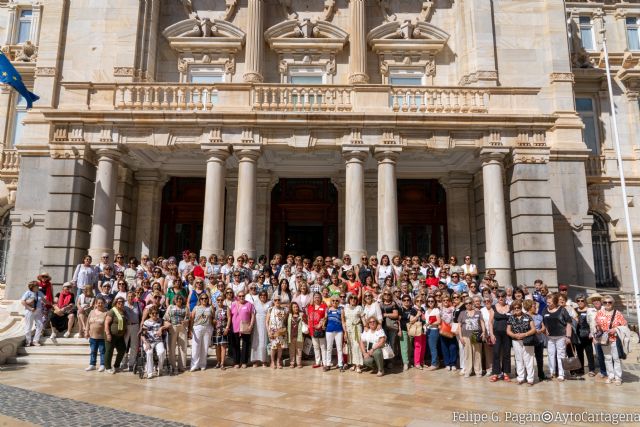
{"x":67,"y":396}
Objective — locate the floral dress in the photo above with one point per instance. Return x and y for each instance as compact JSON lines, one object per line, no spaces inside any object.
{"x":221,"y":324}
{"x":277,"y":323}
{"x":353,"y":319}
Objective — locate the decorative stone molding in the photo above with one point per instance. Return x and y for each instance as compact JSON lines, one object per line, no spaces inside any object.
{"x":531,"y":138}
{"x":389,"y":137}
{"x":356,"y":137}
{"x":45,"y":72}
{"x":247,"y":136}
{"x":123,"y":71}
{"x":561,"y":77}
{"x":530,"y":156}
{"x":478,"y":76}
{"x":306,"y":36}
{"x":494,"y":138}
{"x":328,"y":11}
{"x":426,"y":11}
{"x":215,"y":136}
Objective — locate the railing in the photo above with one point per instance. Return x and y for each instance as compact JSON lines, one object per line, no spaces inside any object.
{"x":435,"y":100}
{"x":302,"y":98}
{"x":10,"y":161}
{"x":185,"y":97}
{"x":595,"y":166}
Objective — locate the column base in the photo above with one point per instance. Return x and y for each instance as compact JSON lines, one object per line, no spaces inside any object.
{"x":96,"y":254}
{"x":390,"y":253}
{"x":208,"y":252}
{"x":250,"y":252}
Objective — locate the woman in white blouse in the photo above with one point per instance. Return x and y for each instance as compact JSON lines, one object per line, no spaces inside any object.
{"x":384,"y":270}
{"x":371,"y":308}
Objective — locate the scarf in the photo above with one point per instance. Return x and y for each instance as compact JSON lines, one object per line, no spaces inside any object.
{"x":64,"y":299}
{"x":120,"y":319}
{"x":46,"y":288}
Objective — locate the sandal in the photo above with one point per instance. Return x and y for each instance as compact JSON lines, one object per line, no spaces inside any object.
{"x":506,"y":377}
{"x":358,"y":370}
{"x":592,"y":374}
{"x":493,"y":378}
{"x":223,"y":368}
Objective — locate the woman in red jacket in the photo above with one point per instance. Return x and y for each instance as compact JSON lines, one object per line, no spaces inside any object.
{"x":316,"y":320}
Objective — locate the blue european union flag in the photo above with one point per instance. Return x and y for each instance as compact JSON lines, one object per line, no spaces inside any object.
{"x":9,"y":75}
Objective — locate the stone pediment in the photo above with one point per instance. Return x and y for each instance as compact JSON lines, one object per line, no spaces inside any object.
{"x":407,"y":37}
{"x":204,"y":35}
{"x":306,"y":35}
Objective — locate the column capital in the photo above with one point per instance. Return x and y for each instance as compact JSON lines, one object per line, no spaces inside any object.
{"x":357,"y":153}
{"x":216,"y":151}
{"x":386,"y":153}
{"x":113,"y":154}
{"x":247,"y":152}
{"x":493,"y":154}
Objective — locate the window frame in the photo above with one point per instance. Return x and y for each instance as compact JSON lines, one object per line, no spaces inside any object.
{"x":18,"y":110}
{"x":411,"y":72}
{"x":593,"y":114}
{"x":590,"y":27}
{"x":633,"y":26}
{"x":19,"y":21}
{"x":207,"y":71}
{"x":306,"y":71}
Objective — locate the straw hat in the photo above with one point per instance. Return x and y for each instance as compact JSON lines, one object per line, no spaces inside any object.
{"x":43,"y":275}
{"x":594,"y":296}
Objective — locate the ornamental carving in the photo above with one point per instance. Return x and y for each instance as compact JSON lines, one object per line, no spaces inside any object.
{"x":45,"y":72}
{"x":230,"y":7}
{"x":561,"y":77}
{"x":388,"y":15}
{"x":123,"y":71}
{"x":328,"y":11}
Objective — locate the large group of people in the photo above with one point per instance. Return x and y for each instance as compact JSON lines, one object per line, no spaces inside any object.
{"x":412,"y":312}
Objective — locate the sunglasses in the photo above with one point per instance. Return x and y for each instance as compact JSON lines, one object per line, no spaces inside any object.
{"x":580,"y":300}
{"x":343,"y":296}
{"x":608,"y":302}
{"x":406,"y":299}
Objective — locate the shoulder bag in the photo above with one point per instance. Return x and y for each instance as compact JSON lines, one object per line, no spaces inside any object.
{"x":414,"y":329}
{"x":603,"y":338}
{"x":445,"y":330}
{"x":387,"y":352}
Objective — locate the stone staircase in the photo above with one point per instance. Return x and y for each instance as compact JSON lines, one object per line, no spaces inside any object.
{"x":67,"y":351}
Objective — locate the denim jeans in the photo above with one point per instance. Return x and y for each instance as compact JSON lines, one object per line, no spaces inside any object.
{"x":449,"y":350}
{"x":96,"y":345}
{"x":433,"y":336}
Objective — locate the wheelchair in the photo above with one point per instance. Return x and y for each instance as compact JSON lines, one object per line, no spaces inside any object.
{"x":140,"y":364}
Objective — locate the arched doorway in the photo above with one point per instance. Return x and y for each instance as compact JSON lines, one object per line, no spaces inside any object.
{"x":422,"y":217}
{"x":182,"y":215}
{"x":304,"y":217}
{"x":601,"y":251}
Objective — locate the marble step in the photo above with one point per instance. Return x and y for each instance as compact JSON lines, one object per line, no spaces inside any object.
{"x":49,"y":359}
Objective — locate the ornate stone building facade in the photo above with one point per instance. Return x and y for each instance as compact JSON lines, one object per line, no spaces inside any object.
{"x":321,"y":126}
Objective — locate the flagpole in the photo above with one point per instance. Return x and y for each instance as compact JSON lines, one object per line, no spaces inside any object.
{"x":623,"y":186}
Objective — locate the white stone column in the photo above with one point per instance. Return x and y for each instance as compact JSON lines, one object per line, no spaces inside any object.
{"x":354,"y":218}
{"x":104,"y":203}
{"x":358,"y":43}
{"x":497,"y":254}
{"x":150,"y":184}
{"x":213,"y":219}
{"x":388,"y":242}
{"x":254,"y":47}
{"x":245,"y":241}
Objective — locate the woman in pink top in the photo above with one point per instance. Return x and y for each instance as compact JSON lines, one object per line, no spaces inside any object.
{"x":242,"y":319}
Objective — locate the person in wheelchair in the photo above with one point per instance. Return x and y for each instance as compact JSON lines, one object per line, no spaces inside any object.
{"x":152,"y":339}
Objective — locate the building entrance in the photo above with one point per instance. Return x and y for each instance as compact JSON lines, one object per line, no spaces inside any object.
{"x":304,"y":217}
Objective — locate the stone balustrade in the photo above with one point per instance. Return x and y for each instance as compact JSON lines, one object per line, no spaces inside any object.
{"x":438,"y":100}
{"x":10,"y":161}
{"x":246,"y":98}
{"x":178,"y":97}
{"x":302,"y":98}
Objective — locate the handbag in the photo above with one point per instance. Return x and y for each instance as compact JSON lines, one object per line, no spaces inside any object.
{"x":305,"y":329}
{"x":529,"y":340}
{"x":476,"y":337}
{"x":414,"y":329}
{"x":245,"y":327}
{"x":571,"y":363}
{"x":387,"y":352}
{"x":445,"y":330}
{"x":602,"y":338}
{"x":390,"y":323}
{"x":319,"y":333}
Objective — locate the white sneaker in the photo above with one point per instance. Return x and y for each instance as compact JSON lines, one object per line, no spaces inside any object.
{"x":195,"y":368}
{"x":150,"y":375}
{"x":91,"y":368}
{"x":101,"y":368}
{"x":111,"y":371}
{"x":67,"y":334}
